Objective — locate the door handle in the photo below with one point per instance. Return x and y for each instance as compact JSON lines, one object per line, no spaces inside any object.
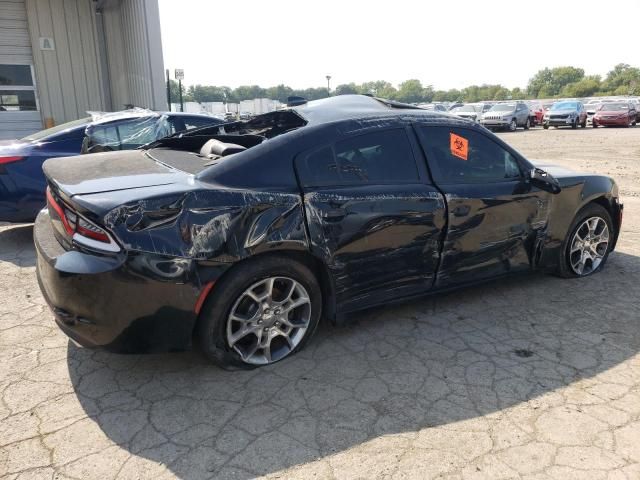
{"x":334,"y":214}
{"x":461,"y":211}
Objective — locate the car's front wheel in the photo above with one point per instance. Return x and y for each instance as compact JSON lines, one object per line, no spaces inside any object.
{"x":263,"y":311}
{"x":527,"y":125}
{"x":588,"y":245}
{"x":513,"y":125}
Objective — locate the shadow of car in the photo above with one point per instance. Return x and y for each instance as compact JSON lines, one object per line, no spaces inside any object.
{"x":400,"y":370}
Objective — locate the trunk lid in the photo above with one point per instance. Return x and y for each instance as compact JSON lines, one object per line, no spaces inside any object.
{"x":108,"y":172}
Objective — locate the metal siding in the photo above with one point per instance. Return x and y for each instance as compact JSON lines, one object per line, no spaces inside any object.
{"x":70,"y":74}
{"x":15,"y":48}
{"x":134,"y":49}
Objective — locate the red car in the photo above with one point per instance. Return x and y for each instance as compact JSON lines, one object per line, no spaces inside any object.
{"x":536,"y":111}
{"x":621,"y":114}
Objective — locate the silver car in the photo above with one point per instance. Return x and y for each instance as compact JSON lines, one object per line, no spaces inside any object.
{"x":472,"y":111}
{"x":508,"y":115}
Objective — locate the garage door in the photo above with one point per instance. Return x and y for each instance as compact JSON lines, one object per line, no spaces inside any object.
{"x":19,"y":113}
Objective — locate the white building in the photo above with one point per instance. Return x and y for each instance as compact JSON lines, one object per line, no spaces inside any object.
{"x":62,"y":58}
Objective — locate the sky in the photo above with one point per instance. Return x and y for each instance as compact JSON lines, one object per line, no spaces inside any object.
{"x":447,"y":44}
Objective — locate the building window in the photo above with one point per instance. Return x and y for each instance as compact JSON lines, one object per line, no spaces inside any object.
{"x":17,"y":90}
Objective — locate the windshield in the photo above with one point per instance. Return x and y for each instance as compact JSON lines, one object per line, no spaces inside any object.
{"x":42,"y":134}
{"x":565,"y":106}
{"x":614,"y":106}
{"x":503,"y":107}
{"x":466,"y":108}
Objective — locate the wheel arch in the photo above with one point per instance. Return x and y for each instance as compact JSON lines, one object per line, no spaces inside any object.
{"x":317,"y":266}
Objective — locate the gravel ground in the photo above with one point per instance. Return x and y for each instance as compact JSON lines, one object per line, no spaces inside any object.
{"x":534,"y":377}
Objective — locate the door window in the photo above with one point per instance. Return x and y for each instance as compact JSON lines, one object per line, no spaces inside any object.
{"x":459,"y":155}
{"x":383,"y":157}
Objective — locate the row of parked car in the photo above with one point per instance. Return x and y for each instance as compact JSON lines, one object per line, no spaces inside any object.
{"x":564,"y":113}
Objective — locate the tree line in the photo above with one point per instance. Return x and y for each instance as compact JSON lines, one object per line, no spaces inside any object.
{"x":557,"y":82}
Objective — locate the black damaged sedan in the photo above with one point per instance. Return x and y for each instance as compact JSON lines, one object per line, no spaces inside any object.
{"x":246,"y":234}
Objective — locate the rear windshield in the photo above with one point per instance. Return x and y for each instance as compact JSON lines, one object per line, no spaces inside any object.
{"x":42,"y":134}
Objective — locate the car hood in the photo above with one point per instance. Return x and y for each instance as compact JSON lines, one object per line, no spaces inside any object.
{"x":500,"y":113}
{"x":109,"y":172}
{"x":558,"y":171}
{"x":612,"y":112}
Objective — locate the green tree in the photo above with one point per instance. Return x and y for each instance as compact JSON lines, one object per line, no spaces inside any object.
{"x":346,"y":89}
{"x":280,"y":92}
{"x":410,"y":91}
{"x":622,"y":80}
{"x":175,"y":92}
{"x":586,"y":87}
{"x":379,"y":88}
{"x":548,"y":82}
{"x":249,"y":92}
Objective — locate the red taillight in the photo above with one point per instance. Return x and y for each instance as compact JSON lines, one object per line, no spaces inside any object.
{"x":73,"y":223}
{"x":4,"y":160}
{"x":60,"y":211}
{"x":86,"y":229}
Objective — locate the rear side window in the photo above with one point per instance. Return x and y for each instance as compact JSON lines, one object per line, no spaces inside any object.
{"x":383,"y":157}
{"x":459,"y":156}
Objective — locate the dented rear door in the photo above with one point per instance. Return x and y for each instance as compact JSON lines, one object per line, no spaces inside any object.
{"x":373,"y":216}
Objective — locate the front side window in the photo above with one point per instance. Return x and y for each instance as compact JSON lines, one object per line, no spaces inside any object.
{"x":383,"y":157}
{"x":17,"y":91}
{"x":461,"y":156}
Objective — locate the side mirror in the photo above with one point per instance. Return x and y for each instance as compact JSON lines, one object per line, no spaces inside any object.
{"x":544,"y":181}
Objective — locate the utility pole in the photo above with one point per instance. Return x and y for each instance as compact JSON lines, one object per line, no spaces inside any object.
{"x":168,"y":91}
{"x":179,"y":74}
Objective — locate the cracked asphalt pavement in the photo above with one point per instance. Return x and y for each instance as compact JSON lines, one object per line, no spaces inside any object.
{"x":533,"y":377}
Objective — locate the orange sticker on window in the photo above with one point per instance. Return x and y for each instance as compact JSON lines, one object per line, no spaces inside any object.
{"x":459,"y":146}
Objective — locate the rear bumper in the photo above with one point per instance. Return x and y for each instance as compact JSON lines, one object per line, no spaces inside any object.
{"x":116,"y":302}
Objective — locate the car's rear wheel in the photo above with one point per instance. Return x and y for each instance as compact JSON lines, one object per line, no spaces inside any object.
{"x":263,"y":311}
{"x":588,"y":245}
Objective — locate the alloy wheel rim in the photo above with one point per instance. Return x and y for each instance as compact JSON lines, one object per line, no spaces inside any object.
{"x":513,"y":125}
{"x":269,"y":320}
{"x":589,"y":245}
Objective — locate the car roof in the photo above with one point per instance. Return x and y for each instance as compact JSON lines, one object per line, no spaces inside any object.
{"x":347,"y":107}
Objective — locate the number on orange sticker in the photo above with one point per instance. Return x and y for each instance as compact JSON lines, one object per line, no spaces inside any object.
{"x":459,"y":146}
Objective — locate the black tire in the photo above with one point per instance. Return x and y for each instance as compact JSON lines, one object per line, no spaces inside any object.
{"x":527,"y":125}
{"x":584,"y":124}
{"x":574,"y":125}
{"x":590,"y":210}
{"x":513,"y":125}
{"x":546,"y":127}
{"x":212,"y":323}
